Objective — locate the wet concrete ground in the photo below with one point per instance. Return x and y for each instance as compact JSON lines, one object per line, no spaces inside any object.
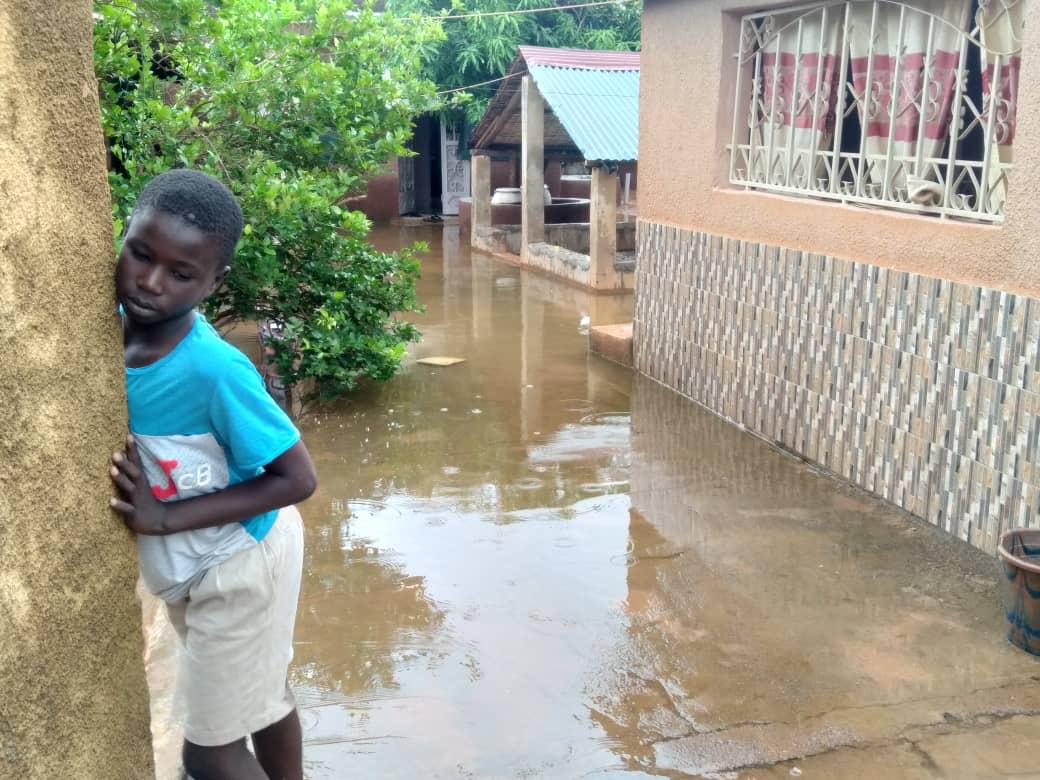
{"x":534,"y":564}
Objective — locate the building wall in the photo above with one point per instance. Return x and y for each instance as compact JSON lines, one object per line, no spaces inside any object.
{"x":380,"y":202}
{"x":685,"y":120}
{"x":504,"y":173}
{"x":382,"y":199}
{"x":898,"y":351}
{"x":74,"y":703}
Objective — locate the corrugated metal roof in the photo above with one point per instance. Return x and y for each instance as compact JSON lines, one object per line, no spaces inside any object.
{"x":580,"y":58}
{"x":592,"y":104}
{"x":599,"y":108}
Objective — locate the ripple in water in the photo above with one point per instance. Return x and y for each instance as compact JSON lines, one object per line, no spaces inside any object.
{"x":528,"y":483}
{"x":366,"y":509}
{"x":607,"y":418}
{"x":576,"y":404}
{"x":604,"y":487}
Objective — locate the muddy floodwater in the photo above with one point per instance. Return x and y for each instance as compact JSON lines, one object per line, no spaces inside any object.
{"x":536,"y":564}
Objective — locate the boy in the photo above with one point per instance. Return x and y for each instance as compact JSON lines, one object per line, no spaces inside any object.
{"x":208,"y":482}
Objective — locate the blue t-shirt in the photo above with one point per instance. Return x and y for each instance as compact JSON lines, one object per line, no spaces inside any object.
{"x":202,"y":420}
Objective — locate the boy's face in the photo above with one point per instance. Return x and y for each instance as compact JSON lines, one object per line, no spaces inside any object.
{"x":166,"y":267}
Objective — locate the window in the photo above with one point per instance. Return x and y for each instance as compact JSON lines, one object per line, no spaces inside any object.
{"x":906,"y":105}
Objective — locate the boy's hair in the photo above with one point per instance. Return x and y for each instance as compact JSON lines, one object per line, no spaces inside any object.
{"x":198,"y":199}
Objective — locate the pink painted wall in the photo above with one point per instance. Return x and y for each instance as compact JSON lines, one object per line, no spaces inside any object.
{"x":686,"y":108}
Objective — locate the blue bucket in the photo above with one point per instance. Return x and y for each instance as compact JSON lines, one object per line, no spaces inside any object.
{"x":1019,"y":554}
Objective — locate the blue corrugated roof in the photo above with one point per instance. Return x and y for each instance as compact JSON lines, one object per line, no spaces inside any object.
{"x":599,"y":109}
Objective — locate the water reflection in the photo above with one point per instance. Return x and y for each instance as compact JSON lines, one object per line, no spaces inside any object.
{"x":466,"y":556}
{"x":361,"y":614}
{"x":761,"y":592}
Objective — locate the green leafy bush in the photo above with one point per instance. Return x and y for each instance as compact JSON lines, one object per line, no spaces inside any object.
{"x":292,"y":103}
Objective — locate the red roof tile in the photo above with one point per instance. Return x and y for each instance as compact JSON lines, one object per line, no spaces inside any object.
{"x":580,"y":58}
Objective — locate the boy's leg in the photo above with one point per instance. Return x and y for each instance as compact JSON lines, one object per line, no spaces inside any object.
{"x":239,"y":644}
{"x":279,"y":748}
{"x":224,"y":762}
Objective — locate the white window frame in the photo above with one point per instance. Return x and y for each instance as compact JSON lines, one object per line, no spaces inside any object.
{"x":955,"y":187}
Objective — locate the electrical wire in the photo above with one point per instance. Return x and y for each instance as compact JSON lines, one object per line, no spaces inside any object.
{"x":476,"y":14}
{"x":482,"y":83}
{"x":620,"y":95}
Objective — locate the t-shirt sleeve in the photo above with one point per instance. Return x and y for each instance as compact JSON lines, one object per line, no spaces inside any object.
{"x":247,"y":420}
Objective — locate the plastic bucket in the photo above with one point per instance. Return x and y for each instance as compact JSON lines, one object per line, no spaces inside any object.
{"x":1019,"y":554}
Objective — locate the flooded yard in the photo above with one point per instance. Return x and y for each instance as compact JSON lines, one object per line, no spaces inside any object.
{"x":536,"y":564}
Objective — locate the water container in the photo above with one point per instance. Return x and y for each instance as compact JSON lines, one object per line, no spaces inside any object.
{"x":1019,"y":554}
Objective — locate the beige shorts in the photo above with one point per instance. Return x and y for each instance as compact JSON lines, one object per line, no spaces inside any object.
{"x":236,"y":639}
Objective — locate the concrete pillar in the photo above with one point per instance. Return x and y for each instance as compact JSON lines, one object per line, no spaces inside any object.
{"x":75,"y":701}
{"x":603,"y":229}
{"x":532,"y":110}
{"x":480,"y":170}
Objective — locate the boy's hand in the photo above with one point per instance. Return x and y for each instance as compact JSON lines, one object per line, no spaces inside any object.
{"x":141,"y":511}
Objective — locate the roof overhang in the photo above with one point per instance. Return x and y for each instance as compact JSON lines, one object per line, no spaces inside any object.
{"x":591,"y":106}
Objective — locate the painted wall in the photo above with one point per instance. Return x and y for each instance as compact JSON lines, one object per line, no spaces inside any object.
{"x":921,"y":390}
{"x":686,"y":112}
{"x":504,"y":173}
{"x":901,"y":352}
{"x":380,"y":203}
{"x":74,"y":700}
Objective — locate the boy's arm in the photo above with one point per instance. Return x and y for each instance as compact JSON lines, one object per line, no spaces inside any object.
{"x":288,"y":479}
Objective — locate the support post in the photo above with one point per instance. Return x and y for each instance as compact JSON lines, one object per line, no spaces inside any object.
{"x":75,"y":700}
{"x":533,"y":166}
{"x":603,"y":229}
{"x":481,"y":217}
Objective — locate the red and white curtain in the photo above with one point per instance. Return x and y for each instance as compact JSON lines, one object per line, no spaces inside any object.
{"x":800,"y":92}
{"x":922,"y":40}
{"x":910,"y":52}
{"x":1000,"y":25}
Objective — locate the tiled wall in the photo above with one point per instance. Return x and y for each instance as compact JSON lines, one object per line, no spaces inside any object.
{"x":921,"y":390}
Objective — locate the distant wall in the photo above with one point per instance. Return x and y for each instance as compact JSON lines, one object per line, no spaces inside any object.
{"x":564,"y":263}
{"x":504,"y":173}
{"x":572,"y":237}
{"x":381,"y":200}
{"x":74,"y":701}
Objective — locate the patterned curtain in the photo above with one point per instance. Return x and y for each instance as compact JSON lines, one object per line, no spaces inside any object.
{"x":798,"y":96}
{"x":1000,"y":27}
{"x":921,"y":39}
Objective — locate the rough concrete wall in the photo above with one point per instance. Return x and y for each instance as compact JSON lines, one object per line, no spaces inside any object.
{"x":574,"y":267}
{"x":74,"y":700}
{"x":381,"y":200}
{"x":504,"y":173}
{"x":685,"y":122}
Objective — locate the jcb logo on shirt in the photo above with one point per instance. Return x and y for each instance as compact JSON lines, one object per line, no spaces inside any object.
{"x":185,"y":481}
{"x":180,"y":467}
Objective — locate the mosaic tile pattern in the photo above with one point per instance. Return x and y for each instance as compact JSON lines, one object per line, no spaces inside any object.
{"x":923,"y":391}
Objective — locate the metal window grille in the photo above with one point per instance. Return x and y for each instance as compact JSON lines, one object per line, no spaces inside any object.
{"x":903,"y":105}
